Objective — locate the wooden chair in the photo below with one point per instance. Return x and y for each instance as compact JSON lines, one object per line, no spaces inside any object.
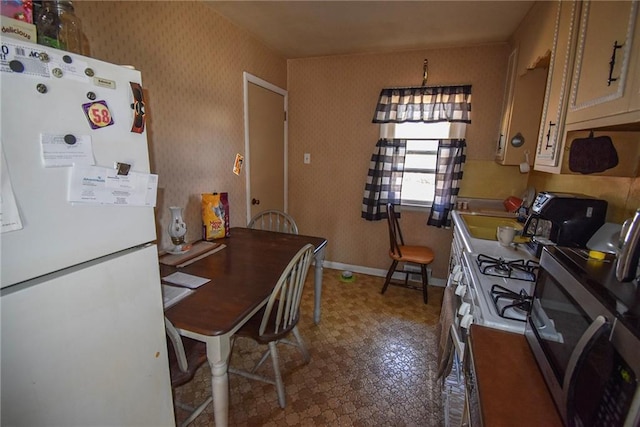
{"x":274,"y":220}
{"x":399,"y":252}
{"x":272,"y":324}
{"x":185,"y":359}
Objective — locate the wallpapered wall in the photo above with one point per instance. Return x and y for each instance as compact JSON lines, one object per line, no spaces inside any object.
{"x":331,"y":105}
{"x":191,"y":62}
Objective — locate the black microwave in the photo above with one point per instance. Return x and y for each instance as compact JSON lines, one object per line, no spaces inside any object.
{"x":584,"y":331}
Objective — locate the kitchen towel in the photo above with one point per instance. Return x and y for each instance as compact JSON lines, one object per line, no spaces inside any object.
{"x":445,"y":343}
{"x":592,"y":154}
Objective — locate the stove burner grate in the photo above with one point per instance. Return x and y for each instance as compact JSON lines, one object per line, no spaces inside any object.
{"x":515,"y":269}
{"x":518,"y":301}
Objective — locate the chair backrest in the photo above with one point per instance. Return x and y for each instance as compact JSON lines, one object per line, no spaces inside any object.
{"x":187,"y":356}
{"x":178,"y":346}
{"x":395,"y":234}
{"x":274,"y":220}
{"x":283,"y":308}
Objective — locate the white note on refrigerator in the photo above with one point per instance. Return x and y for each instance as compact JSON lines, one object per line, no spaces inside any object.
{"x":103,"y":186}
{"x":9,"y":214}
{"x":66,"y":150}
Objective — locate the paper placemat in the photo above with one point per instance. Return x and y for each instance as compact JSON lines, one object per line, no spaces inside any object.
{"x":198,"y":250}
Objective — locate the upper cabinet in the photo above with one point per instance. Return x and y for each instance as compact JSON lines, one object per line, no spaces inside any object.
{"x":520,"y":132}
{"x":557,"y":90}
{"x":525,"y":87}
{"x":604,"y":73}
{"x":593,"y":83}
{"x":507,"y":104}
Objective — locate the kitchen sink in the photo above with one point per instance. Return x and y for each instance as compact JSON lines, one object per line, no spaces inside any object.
{"x":484,"y":226}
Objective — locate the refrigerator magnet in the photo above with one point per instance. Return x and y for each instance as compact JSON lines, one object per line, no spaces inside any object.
{"x":138,"y":108}
{"x":237,"y":165}
{"x":98,"y":114}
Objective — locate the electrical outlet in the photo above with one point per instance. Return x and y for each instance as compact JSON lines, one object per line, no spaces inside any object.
{"x":307,"y":158}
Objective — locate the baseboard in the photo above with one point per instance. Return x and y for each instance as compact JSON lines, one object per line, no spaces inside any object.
{"x":414,"y":277}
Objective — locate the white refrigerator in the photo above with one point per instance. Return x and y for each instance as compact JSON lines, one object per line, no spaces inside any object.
{"x":82,"y":338}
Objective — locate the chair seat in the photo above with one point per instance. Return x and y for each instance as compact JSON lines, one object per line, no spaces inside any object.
{"x":251,"y":329}
{"x":196,"y":354}
{"x":415,"y":254}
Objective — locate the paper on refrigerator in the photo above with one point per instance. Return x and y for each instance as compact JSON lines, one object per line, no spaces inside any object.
{"x":103,"y":186}
{"x":9,"y":214}
{"x":58,"y":150}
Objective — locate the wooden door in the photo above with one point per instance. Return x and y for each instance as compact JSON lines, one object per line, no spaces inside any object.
{"x":265,"y":126}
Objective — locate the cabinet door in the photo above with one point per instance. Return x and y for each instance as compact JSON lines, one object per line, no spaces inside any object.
{"x":634,"y":102}
{"x":522,"y":135}
{"x":507,"y":104}
{"x":557,"y":92}
{"x":600,"y":85}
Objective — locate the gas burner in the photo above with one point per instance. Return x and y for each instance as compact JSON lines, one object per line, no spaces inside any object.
{"x":511,"y":305}
{"x":514,"y":269}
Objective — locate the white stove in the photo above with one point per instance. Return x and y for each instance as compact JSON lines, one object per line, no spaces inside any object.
{"x":500,"y":290}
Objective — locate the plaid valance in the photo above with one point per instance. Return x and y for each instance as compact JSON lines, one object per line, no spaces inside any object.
{"x":424,"y":104}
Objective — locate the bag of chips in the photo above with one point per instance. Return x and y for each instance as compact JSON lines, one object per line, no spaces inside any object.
{"x":215,"y":216}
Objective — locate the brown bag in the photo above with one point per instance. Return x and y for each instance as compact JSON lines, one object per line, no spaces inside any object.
{"x":592,"y":154}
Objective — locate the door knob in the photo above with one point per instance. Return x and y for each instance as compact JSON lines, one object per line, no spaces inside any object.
{"x":255,"y":201}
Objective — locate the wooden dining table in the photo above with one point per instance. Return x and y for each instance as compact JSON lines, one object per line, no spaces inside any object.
{"x":243,"y":274}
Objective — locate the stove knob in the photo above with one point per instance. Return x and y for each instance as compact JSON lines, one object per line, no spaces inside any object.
{"x":461,"y":290}
{"x":456,"y":269}
{"x":464,"y":309}
{"x":466,"y":321}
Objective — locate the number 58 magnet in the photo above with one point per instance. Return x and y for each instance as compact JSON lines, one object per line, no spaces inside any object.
{"x":98,"y":114}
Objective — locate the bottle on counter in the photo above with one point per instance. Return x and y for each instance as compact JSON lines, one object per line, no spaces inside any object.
{"x":58,"y":26}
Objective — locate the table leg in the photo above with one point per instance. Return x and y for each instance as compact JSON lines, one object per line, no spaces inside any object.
{"x":218,"y":349}
{"x":319,"y":258}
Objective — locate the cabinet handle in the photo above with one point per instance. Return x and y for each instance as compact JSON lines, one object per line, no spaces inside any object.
{"x":549,"y":135}
{"x":612,"y":63}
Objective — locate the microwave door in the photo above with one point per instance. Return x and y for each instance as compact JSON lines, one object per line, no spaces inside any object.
{"x":592,"y":354}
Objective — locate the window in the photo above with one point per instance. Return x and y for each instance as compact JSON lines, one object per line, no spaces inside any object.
{"x":418,"y":180}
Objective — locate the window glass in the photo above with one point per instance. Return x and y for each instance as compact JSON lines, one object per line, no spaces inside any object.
{"x":418,"y":181}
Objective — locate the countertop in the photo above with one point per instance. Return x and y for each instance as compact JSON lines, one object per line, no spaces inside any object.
{"x":487,"y":247}
{"x":511,"y":388}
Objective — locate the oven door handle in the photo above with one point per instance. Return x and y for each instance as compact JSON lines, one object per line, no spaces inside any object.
{"x":597,"y":328}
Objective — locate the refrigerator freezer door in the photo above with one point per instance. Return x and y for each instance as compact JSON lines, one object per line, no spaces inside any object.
{"x":87,"y":347}
{"x":57,"y":234}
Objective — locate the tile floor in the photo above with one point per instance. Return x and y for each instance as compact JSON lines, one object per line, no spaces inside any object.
{"x":373,"y":363}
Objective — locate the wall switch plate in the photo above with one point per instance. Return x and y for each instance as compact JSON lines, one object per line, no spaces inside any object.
{"x":307,"y":158}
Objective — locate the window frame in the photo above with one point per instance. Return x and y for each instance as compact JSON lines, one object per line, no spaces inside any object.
{"x":420,"y":131}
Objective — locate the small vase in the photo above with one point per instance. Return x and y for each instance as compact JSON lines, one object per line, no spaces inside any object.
{"x":177,"y":227}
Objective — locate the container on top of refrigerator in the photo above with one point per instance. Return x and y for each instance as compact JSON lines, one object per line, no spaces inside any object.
{"x":59,"y":27}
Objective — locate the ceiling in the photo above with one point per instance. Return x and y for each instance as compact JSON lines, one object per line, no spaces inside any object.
{"x":299,"y":29}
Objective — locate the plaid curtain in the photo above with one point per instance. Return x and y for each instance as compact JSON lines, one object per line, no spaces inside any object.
{"x":384,"y":180}
{"x":424,"y":104}
{"x":451,"y":157}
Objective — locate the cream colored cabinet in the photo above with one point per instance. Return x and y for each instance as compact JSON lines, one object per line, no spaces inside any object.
{"x":507,"y":105}
{"x":635,"y":81}
{"x":521,"y":113}
{"x":551,"y":130}
{"x":525,"y":90}
{"x":604,"y":72}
